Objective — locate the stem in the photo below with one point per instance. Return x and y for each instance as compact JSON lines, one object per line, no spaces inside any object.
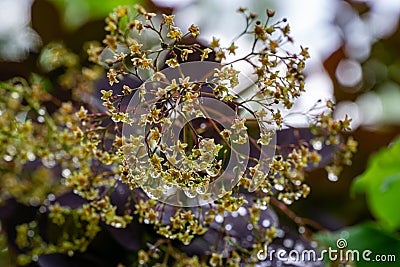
{"x":300,"y":221}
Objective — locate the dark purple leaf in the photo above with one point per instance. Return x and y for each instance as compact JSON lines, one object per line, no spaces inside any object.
{"x":79,"y":260}
{"x":13,"y":214}
{"x":287,"y":138}
{"x":70,"y":200}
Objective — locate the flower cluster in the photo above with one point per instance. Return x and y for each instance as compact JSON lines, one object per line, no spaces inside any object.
{"x":91,"y":150}
{"x":86,"y":224}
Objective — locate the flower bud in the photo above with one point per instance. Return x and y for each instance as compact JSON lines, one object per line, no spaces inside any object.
{"x":270,"y":13}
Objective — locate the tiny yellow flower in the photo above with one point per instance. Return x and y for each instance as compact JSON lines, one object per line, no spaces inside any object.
{"x":121,"y":11}
{"x":173,"y":62}
{"x":174,"y":33}
{"x":135,"y":47}
{"x":185,"y":53}
{"x":214,"y":43}
{"x":169,"y":20}
{"x":205,"y":53}
{"x":112,"y":76}
{"x":232,"y":49}
{"x":145,"y":63}
{"x":194,"y":30}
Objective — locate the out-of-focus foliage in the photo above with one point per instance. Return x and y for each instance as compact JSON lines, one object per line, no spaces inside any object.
{"x":78,"y":12}
{"x":365,"y":67}
{"x":381,"y":80}
{"x":381,"y":184}
{"x":368,"y":236}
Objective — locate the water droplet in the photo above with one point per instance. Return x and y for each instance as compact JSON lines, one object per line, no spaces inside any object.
{"x":48,"y":163}
{"x":155,"y":175}
{"x":34,"y":201}
{"x":299,"y":247}
{"x":31,"y":156}
{"x":242,"y":211}
{"x":117,"y":225}
{"x":201,"y":190}
{"x":266,"y":223}
{"x":279,"y":187}
{"x":11,"y":150}
{"x":189,"y":193}
{"x":280,"y":233}
{"x":150,"y":194}
{"x":261,"y":207}
{"x":167,"y":186}
{"x":287,"y":201}
{"x":212,"y":172}
{"x":40,"y":119}
{"x":7,"y":158}
{"x":317,"y":145}
{"x":288,"y":242}
{"x":228,"y":227}
{"x":249,"y":227}
{"x":332,"y":177}
{"x":76,"y":162}
{"x":219,"y":218}
{"x":302,"y":229}
{"x":258,"y":178}
{"x":31,"y":233}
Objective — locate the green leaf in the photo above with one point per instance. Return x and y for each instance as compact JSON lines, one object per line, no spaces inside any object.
{"x":363,"y":237}
{"x":381,"y":184}
{"x":78,"y":12}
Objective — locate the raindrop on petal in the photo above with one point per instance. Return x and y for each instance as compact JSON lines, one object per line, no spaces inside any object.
{"x":201,"y":190}
{"x":279,"y":187}
{"x":189,"y":193}
{"x":332,"y":177}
